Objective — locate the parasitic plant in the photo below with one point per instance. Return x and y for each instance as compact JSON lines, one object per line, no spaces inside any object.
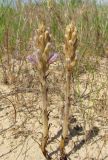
{"x":69,"y":49}
{"x":42,"y":57}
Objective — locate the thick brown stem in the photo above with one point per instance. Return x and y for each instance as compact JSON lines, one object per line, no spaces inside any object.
{"x":66,"y":113}
{"x":44,"y":116}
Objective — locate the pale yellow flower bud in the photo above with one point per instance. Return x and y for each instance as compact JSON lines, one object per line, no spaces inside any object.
{"x":46,"y":51}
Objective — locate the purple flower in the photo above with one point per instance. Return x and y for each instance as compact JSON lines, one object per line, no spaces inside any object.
{"x":53,"y":57}
{"x":33,"y":58}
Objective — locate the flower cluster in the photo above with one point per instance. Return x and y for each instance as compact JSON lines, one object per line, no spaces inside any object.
{"x":43,"y":55}
{"x":70,"y":46}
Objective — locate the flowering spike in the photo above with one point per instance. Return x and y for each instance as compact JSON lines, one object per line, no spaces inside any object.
{"x":44,"y":45}
{"x":69,"y":49}
{"x":42,"y":58}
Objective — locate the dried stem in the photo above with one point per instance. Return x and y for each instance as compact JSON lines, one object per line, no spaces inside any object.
{"x":44,"y":115}
{"x":66,"y":112}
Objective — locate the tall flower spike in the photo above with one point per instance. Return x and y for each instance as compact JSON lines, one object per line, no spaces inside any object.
{"x":42,"y":58}
{"x":69,"y":49}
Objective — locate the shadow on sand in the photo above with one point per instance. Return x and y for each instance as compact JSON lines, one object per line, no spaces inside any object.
{"x":76,"y":131}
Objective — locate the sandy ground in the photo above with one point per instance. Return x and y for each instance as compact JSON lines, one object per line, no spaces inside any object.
{"x":88,"y":130}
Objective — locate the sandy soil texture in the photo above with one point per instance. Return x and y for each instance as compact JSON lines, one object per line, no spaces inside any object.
{"x":21,"y":123}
